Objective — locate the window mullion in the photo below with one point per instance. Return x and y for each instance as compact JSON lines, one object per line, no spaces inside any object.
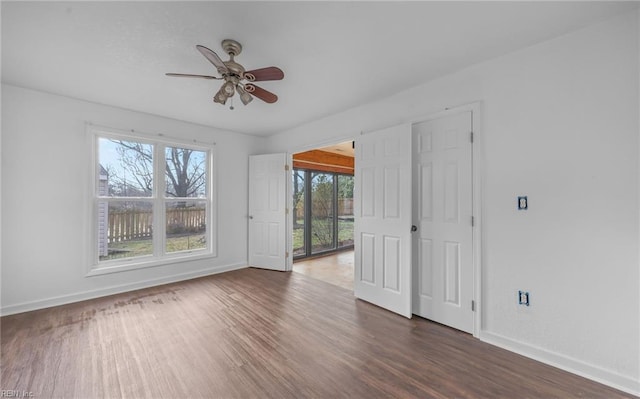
{"x":335,"y":211}
{"x":209,"y":204}
{"x":159,"y":214}
{"x":308,"y":214}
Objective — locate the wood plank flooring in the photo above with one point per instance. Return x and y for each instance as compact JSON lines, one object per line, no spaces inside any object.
{"x":260,"y":334}
{"x":336,"y":268}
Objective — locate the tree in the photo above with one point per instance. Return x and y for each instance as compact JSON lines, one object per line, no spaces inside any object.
{"x":345,"y":186}
{"x":298,"y":193}
{"x":322,"y":210}
{"x":185,"y":170}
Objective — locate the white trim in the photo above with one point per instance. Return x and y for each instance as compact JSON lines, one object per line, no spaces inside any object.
{"x":116,"y":289}
{"x":149,"y":137}
{"x":566,"y":363}
{"x":289,"y":216}
{"x":478,"y":208}
{"x":638,"y":179}
{"x":213,"y":195}
{"x":143,"y":262}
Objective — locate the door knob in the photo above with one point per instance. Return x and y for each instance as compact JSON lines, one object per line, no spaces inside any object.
{"x":414,"y":228}
{"x":250,"y":217}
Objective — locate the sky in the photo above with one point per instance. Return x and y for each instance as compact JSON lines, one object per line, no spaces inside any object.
{"x":109,"y":158}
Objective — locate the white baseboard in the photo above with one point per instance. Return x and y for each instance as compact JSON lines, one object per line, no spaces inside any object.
{"x":82,"y":296}
{"x":595,"y":373}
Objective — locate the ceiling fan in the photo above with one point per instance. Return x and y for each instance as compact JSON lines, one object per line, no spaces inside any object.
{"x":236,"y":79}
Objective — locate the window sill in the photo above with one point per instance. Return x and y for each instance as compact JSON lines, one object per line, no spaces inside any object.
{"x":146,"y":262}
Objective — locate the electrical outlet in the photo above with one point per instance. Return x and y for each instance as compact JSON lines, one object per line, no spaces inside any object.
{"x":523,"y":298}
{"x":523,"y":203}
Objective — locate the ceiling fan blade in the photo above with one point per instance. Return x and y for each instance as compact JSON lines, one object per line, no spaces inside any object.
{"x":188,"y":75}
{"x":213,"y":58}
{"x":268,"y":73}
{"x":261,"y":93}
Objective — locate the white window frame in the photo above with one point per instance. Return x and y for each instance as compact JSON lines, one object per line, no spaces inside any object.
{"x":158,"y":199}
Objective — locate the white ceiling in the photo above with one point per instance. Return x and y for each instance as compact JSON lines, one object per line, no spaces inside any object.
{"x":345,"y":148}
{"x":335,"y":55}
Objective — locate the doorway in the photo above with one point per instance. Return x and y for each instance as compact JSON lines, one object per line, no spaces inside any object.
{"x":322,"y":213}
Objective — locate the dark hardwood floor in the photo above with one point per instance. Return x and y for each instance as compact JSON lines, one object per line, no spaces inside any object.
{"x":260,"y":334}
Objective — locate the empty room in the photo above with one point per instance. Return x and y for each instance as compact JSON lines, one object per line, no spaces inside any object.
{"x":178,"y":179}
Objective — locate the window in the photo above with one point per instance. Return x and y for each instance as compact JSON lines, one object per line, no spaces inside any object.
{"x":152,"y":201}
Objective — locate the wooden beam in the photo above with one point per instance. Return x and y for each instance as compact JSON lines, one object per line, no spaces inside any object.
{"x":322,"y":168}
{"x":324,"y":161}
{"x":324,"y":158}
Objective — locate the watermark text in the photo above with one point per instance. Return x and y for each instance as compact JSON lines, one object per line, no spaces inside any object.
{"x":15,"y":393}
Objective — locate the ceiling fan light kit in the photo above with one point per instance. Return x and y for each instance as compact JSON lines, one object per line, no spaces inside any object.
{"x":245,"y":97}
{"x":235,"y":76}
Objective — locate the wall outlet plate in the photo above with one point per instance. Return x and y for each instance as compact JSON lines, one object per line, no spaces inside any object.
{"x":523,"y":203}
{"x":523,"y":298}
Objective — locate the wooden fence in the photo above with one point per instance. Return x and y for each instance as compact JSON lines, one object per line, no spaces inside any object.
{"x":186,"y":220}
{"x":136,"y":224}
{"x":129,"y":224}
{"x":345,"y":206}
{"x":323,"y":209}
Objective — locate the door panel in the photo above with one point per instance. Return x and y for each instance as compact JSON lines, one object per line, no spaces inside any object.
{"x":267,"y":216}
{"x":383,"y":219}
{"x":442,"y":158}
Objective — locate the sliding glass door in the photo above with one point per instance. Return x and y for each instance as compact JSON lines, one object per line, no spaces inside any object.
{"x":345,"y":211}
{"x":299,"y":213}
{"x":323,"y":212}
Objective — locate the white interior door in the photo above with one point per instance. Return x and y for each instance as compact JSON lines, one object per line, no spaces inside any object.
{"x":268,"y":176}
{"x":382,"y":239}
{"x":443,"y":257}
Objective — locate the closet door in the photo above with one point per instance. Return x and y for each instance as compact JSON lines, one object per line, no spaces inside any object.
{"x":382,"y":239}
{"x":443,"y":204}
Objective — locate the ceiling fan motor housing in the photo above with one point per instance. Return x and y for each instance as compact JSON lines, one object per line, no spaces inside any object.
{"x":234,"y":69}
{"x":231,"y":47}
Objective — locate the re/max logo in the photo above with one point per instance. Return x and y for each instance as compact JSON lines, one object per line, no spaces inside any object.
{"x":14,"y":393}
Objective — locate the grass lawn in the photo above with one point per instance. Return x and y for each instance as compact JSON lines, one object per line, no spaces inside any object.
{"x":128,"y":249}
{"x":345,"y":237}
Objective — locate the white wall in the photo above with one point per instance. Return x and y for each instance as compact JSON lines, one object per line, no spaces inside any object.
{"x":560,"y":124}
{"x":44,"y":162}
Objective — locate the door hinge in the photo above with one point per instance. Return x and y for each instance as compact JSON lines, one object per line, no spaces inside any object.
{"x":286,"y":211}
{"x":286,"y":168}
{"x":286,"y":254}
{"x":473,"y":306}
{"x":473,"y":221}
{"x":471,"y":137}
